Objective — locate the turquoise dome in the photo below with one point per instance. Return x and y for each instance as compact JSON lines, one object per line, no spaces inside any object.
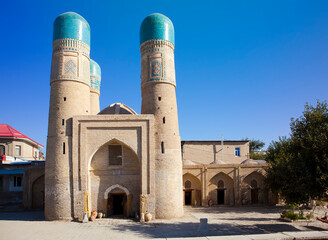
{"x":156,"y":26}
{"x":71,"y":25}
{"x":94,"y":69}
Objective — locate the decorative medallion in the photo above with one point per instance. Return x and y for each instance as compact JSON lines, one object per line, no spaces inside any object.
{"x":156,"y":69}
{"x":70,"y":67}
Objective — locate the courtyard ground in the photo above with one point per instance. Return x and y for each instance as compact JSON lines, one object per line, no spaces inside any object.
{"x":246,"y":222}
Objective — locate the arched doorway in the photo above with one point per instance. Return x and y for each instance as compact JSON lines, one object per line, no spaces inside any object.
{"x":253,"y":191}
{"x":188,"y":191}
{"x":38,"y":193}
{"x":117,"y":201}
{"x":113,"y":168}
{"x":116,"y":204}
{"x":192,"y":190}
{"x":221,"y":189}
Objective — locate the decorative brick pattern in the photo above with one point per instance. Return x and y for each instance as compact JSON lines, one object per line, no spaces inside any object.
{"x":156,"y":69}
{"x":160,"y":51}
{"x":70,"y":67}
{"x":95,"y":83}
{"x":69,"y":44}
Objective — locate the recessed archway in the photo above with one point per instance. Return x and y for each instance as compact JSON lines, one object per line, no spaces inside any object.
{"x":221,"y":189}
{"x":253,"y":190}
{"x":117,"y":200}
{"x":108,"y":189}
{"x":38,"y":193}
{"x":192,"y":190}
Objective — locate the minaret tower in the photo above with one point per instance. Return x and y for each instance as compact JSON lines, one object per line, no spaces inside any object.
{"x":95,"y":79}
{"x":158,"y":98}
{"x":70,"y":95}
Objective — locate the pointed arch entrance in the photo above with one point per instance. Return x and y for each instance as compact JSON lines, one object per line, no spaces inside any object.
{"x":114,"y":178}
{"x":253,"y":190}
{"x":117,"y":201}
{"x":192,"y":190}
{"x":221,"y":189}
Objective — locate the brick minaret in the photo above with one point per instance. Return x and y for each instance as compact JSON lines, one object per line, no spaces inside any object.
{"x":159,"y":98}
{"x":70,"y":95}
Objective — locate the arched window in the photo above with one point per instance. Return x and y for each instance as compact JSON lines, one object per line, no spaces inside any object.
{"x":2,"y":150}
{"x":220,"y":184}
{"x":254,"y":183}
{"x":187,"y":184}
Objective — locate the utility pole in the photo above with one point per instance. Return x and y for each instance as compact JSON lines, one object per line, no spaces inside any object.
{"x":222,"y":147}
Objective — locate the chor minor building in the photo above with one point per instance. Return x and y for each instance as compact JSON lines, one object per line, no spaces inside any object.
{"x":121,"y":163}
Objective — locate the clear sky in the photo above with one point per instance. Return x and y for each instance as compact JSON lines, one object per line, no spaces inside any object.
{"x":243,"y":68}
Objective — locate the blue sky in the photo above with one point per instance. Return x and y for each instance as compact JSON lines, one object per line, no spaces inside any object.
{"x":243,"y":68}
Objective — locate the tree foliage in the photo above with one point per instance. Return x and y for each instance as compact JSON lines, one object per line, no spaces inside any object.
{"x":299,"y":164}
{"x":255,"y":145}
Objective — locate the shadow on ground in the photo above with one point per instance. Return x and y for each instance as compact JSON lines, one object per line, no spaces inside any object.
{"x":23,"y":216}
{"x":183,"y":229}
{"x":264,"y":209}
{"x":313,"y":228}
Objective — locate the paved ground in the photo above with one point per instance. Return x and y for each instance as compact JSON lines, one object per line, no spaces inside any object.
{"x":222,"y":221}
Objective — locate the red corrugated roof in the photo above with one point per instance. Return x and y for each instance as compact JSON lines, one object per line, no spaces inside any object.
{"x":7,"y":131}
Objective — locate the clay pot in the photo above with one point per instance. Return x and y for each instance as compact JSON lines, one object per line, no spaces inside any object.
{"x":93,"y":215}
{"x":148,"y":217}
{"x":100,"y":215}
{"x":92,"y":218}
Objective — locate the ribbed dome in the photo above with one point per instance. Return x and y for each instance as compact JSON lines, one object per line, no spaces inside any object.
{"x":117,"y":108}
{"x":71,"y":25}
{"x":156,"y":26}
{"x":94,"y":68}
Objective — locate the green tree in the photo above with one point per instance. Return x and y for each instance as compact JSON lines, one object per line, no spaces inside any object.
{"x":255,"y":145}
{"x":299,"y":164}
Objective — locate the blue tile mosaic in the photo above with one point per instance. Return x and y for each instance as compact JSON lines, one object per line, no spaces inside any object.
{"x":71,"y":25}
{"x":156,"y":69}
{"x":156,"y":26}
{"x":95,"y":68}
